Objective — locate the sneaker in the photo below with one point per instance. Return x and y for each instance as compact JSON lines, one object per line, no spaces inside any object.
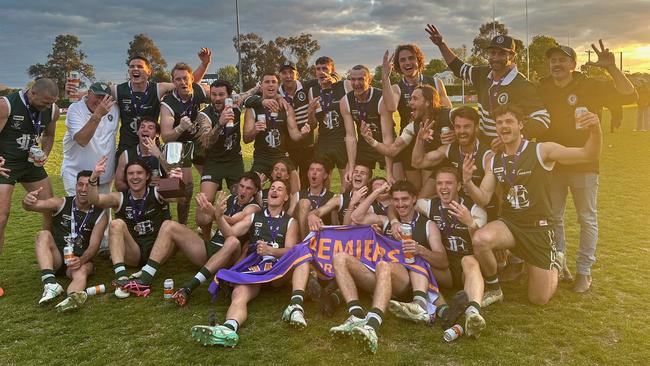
{"x":181,"y":296}
{"x":217,"y":335}
{"x":50,"y":291}
{"x":74,"y":301}
{"x":459,"y":303}
{"x":492,"y":296}
{"x":367,"y":335}
{"x":474,"y":324}
{"x":348,"y":325}
{"x":409,"y":311}
{"x":134,"y":286}
{"x":295,"y":315}
{"x":583,"y":284}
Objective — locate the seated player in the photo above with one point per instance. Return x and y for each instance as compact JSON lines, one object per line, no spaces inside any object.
{"x":389,"y":279}
{"x":282,"y":170}
{"x":139,"y":211}
{"x":146,"y":150}
{"x":75,"y":223}
{"x":272,"y":233}
{"x":315,"y":195}
{"x":212,"y":255}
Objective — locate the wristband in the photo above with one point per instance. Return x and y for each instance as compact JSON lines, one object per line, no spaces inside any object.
{"x":93,"y":182}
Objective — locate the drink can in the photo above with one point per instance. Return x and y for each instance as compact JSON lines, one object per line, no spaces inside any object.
{"x":261,"y":118}
{"x":234,"y":96}
{"x":96,"y":290}
{"x":274,"y":114}
{"x":445,"y":130}
{"x":37,"y":156}
{"x":228,"y":102}
{"x":168,"y":288}
{"x":74,"y":78}
{"x":68,"y":254}
{"x":453,"y":333}
{"x":578,"y":113}
{"x":407,"y":234}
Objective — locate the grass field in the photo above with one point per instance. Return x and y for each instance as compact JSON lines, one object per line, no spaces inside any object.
{"x":606,"y":326}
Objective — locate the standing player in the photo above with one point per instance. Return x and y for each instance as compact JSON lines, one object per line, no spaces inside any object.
{"x":498,"y":84}
{"x":525,"y":226}
{"x":27,"y":125}
{"x":146,"y":150}
{"x":75,"y":223}
{"x":363,"y":106}
{"x":178,"y":123}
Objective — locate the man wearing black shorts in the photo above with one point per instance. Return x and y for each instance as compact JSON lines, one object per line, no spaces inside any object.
{"x":525,"y":226}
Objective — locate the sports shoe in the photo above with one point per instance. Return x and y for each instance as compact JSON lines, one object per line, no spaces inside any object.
{"x":74,"y":301}
{"x":459,"y":303}
{"x":409,"y":311}
{"x":50,"y":291}
{"x":348,"y":325}
{"x":474,"y":324}
{"x":583,"y":284}
{"x":295,"y":315}
{"x":492,"y":296}
{"x":181,"y":296}
{"x":367,"y":335}
{"x":217,"y":335}
{"x":134,"y":286}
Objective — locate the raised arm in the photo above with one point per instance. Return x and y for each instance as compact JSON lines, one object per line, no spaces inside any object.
{"x":86,"y":133}
{"x":111,"y":200}
{"x":387,"y":130}
{"x":350,"y":137}
{"x":481,"y":195}
{"x":436,"y":38}
{"x":607,"y":61}
{"x":32,"y":203}
{"x":389,"y":92}
{"x":361,"y":214}
{"x":552,"y":152}
{"x":120,"y":182}
{"x":383,"y":148}
{"x":422,"y":159}
{"x":205,"y":55}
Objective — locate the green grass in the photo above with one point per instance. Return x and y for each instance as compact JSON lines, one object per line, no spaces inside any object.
{"x":606,"y":326}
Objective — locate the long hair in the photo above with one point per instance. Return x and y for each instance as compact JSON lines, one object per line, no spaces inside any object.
{"x":430,"y":95}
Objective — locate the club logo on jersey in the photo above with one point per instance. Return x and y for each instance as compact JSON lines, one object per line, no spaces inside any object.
{"x":572,"y":99}
{"x":229,"y":142}
{"x":110,"y":118}
{"x":456,"y":244}
{"x":144,"y":227}
{"x":498,"y":170}
{"x":301,"y":96}
{"x":502,"y":98}
{"x":24,"y":141}
{"x":332,"y":120}
{"x":273,"y":138}
{"x":499,"y":39}
{"x":258,"y":224}
{"x":16,"y":123}
{"x":518,"y":197}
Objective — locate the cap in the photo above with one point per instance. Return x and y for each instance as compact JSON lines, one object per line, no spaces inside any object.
{"x":503,"y":42}
{"x":288,"y":64}
{"x":564,"y":49}
{"x":100,"y":88}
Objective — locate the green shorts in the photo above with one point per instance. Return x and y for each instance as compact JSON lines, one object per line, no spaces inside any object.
{"x":23,"y":172}
{"x":214,"y":245}
{"x":456,"y":269}
{"x":335,"y":154}
{"x":189,"y":153}
{"x":199,"y":154}
{"x":534,"y":245}
{"x":264,"y":164}
{"x":216,"y":172}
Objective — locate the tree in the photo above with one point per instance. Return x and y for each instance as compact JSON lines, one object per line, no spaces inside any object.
{"x":537,"y":53}
{"x":258,"y":56}
{"x":65,"y":57}
{"x":376,"y":77}
{"x":434,"y":66}
{"x":230,"y":74}
{"x":142,"y":45}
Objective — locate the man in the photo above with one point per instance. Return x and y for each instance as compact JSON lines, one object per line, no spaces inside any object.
{"x":324,"y":108}
{"x":388,"y":279}
{"x":282,"y":170}
{"x":219,"y":252}
{"x":425,"y":107}
{"x":140,"y":212}
{"x":497,"y":84}
{"x":562,"y":92}
{"x":27,"y":125}
{"x":315,"y":195}
{"x":146,"y":150}
{"x":178,"y":123}
{"x":525,"y":226}
{"x":272,"y":233}
{"x":364,"y":106}
{"x":220,"y":137}
{"x":408,"y":60}
{"x":77,"y":224}
{"x":270,"y":130}
{"x":139,"y":97}
{"x":91,"y":128}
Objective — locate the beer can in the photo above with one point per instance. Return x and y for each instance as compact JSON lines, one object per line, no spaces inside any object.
{"x":274,"y":114}
{"x":445,"y":130}
{"x":96,"y":290}
{"x":38,"y":156}
{"x":68,"y":254}
{"x":261,"y":118}
{"x":74,"y":77}
{"x":168,"y":289}
{"x":580,"y":111}
{"x":407,"y":234}
{"x":453,"y":333}
{"x":229,"y":103}
{"x":234,"y":96}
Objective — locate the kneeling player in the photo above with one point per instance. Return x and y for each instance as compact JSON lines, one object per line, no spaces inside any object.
{"x":272,"y":233}
{"x":76,"y":223}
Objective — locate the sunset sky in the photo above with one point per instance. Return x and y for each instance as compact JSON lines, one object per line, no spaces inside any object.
{"x":351,"y":32}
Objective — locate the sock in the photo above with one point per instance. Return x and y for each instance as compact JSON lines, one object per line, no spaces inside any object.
{"x":201,"y":276}
{"x":473,"y":307}
{"x":354,"y":308}
{"x":375,"y":318}
{"x":149,"y":270}
{"x":47,"y":276}
{"x":231,"y":324}
{"x":297,"y":297}
{"x":492,"y":282}
{"x":420,"y":298}
{"x":120,"y":270}
{"x":441,"y":310}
